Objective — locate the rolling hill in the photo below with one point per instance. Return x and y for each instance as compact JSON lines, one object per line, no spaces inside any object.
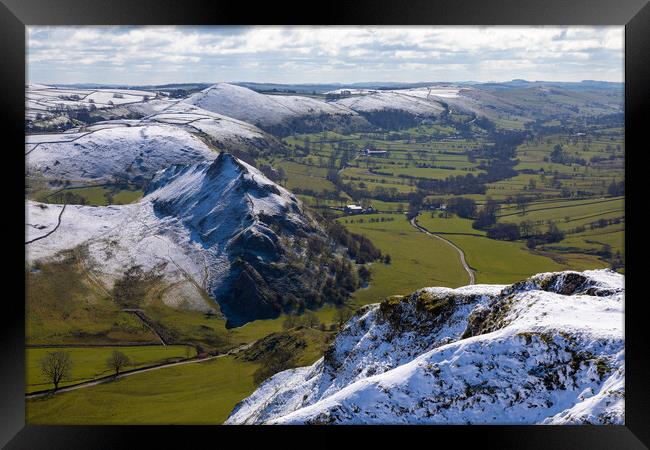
{"x":278,"y":114}
{"x":218,"y":226}
{"x":127,"y":151}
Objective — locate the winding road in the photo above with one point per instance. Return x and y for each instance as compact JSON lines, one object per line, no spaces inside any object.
{"x":466,"y":266}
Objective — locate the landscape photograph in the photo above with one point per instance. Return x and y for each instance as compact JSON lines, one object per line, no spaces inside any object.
{"x":310,"y":225}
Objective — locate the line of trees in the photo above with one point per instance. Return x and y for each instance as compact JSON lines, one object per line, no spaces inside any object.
{"x":616,"y":188}
{"x":56,"y":367}
{"x":560,"y":156}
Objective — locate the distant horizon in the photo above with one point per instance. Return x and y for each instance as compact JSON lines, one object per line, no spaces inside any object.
{"x":154,"y":55}
{"x":324,"y":83}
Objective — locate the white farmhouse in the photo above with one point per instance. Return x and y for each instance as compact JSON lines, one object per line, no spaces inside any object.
{"x":370,"y":152}
{"x":353,"y":209}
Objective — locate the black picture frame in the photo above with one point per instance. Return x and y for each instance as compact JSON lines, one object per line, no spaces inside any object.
{"x":16,"y":14}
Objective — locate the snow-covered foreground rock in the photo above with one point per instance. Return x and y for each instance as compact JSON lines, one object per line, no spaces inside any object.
{"x":548,"y":350}
{"x":218,"y":226}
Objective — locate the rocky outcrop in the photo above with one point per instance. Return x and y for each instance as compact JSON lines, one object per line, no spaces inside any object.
{"x":547,"y":350}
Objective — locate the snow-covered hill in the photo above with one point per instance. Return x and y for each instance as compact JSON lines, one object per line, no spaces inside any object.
{"x":42,"y":100}
{"x":223,"y":131}
{"x":412,"y":101}
{"x":218,"y":226}
{"x":489,"y":100}
{"x":125,"y":152}
{"x":548,"y":350}
{"x":271,"y":112}
{"x":137,"y":149}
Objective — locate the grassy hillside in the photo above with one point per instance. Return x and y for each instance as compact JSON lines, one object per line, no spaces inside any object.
{"x":65,"y":305}
{"x":90,"y":195}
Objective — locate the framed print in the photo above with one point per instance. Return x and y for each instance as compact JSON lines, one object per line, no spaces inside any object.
{"x":404,"y":220}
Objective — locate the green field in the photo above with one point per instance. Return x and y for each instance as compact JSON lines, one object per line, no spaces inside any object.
{"x":493,"y":261}
{"x":612,"y":235}
{"x":417,"y":260}
{"x":92,"y":195}
{"x":200,"y":393}
{"x":90,"y":362}
{"x":196,"y":393}
{"x":570,"y":216}
{"x":454,"y":224}
{"x":567,"y":213}
{"x":503,"y":262}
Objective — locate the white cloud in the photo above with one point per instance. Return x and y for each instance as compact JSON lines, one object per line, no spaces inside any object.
{"x":324,"y":54}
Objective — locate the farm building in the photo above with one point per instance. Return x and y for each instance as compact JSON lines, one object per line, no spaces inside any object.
{"x":437,"y":207}
{"x":353,"y":209}
{"x":370,"y":152}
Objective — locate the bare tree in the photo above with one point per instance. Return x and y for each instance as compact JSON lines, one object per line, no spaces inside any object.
{"x":291,"y":321}
{"x":117,"y":361}
{"x":342,"y":315}
{"x":310,"y":320}
{"x":522,"y":203}
{"x":56,"y":366}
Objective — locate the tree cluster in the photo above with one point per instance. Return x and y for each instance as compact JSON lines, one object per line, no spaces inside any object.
{"x":358,"y":246}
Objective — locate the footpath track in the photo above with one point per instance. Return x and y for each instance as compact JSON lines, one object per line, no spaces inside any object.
{"x":129,"y":373}
{"x":460,"y":251}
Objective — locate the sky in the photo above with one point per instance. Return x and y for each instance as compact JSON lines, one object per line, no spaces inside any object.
{"x":325,"y":54}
